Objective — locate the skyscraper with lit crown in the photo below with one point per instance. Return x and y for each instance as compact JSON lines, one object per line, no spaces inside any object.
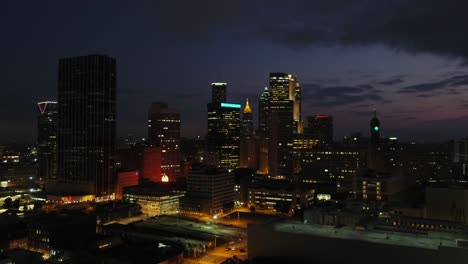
{"x":47,"y":119}
{"x":281,"y":125}
{"x":224,"y":128}
{"x":248,"y":140}
{"x":264,"y":113}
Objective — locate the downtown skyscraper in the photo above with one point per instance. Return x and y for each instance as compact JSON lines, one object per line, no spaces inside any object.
{"x":47,"y":119}
{"x":284,"y":122}
{"x":86,"y":130}
{"x":320,"y":127}
{"x":164,"y":132}
{"x":264,"y":112}
{"x":224,"y":128}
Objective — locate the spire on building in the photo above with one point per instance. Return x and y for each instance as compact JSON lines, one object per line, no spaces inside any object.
{"x":247,"y":109}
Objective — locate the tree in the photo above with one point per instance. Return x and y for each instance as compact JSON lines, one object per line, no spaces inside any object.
{"x":8,"y":203}
{"x":252,"y":208}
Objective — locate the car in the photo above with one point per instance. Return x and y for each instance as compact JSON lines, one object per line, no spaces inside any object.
{"x":243,"y":250}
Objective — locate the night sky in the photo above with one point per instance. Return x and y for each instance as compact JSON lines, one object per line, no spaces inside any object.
{"x":408,"y":58}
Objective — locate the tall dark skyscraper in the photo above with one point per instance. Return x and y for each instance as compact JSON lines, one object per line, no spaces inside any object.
{"x":282,"y":125}
{"x":164,"y":132}
{"x":47,"y":139}
{"x":247,"y":120}
{"x":86,"y":130}
{"x":264,"y":112}
{"x":218,"y":92}
{"x":224,"y":128}
{"x":320,"y":127}
{"x":248,"y":141}
{"x":375,"y":129}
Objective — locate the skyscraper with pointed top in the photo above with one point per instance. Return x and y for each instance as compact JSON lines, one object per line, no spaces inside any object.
{"x":47,"y":119}
{"x":247,"y":120}
{"x":248,"y":141}
{"x":264,"y":113}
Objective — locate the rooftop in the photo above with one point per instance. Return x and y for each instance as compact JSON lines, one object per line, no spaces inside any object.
{"x":373,"y":236}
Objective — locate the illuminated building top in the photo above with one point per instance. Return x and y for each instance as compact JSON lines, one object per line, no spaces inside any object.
{"x":230,"y":105}
{"x":247,"y":109}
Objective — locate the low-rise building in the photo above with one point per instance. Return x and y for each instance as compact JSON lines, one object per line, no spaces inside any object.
{"x":155,"y":198}
{"x":209,"y":191}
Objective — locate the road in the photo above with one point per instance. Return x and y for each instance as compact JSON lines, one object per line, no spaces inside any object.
{"x":221,"y":253}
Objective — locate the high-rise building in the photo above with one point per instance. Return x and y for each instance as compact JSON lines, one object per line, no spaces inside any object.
{"x":229,"y":136}
{"x":263,"y":112}
{"x":224,"y":129}
{"x":86,"y":127}
{"x":218,"y":92}
{"x":164,"y":132}
{"x":320,"y":127}
{"x":295,"y":95}
{"x":248,"y":141}
{"x":47,"y":139}
{"x":282,"y":128}
{"x":375,"y":129}
{"x":247,"y":120}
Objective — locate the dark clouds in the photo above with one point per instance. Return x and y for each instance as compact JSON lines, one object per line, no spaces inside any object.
{"x":432,"y":26}
{"x":331,"y":96}
{"x":391,"y":82}
{"x":448,"y":86}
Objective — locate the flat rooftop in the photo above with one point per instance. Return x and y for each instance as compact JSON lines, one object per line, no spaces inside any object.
{"x":374,"y":236}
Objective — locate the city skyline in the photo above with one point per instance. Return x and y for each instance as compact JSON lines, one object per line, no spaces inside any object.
{"x":416,"y":83}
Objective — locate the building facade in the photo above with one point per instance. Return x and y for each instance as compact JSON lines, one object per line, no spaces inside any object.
{"x":209,"y":191}
{"x":86,"y":130}
{"x":164,"y":132}
{"x":320,"y":127}
{"x":224,"y":129}
{"x":47,"y":119}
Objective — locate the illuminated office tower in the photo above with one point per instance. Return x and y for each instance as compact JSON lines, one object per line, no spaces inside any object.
{"x":229,"y":135}
{"x":86,"y":130}
{"x":264,"y":113}
{"x":224,"y":128}
{"x":320,"y":127}
{"x":295,"y":96}
{"x":218,"y":95}
{"x":47,"y":139}
{"x":281,"y":126}
{"x":164,"y":132}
